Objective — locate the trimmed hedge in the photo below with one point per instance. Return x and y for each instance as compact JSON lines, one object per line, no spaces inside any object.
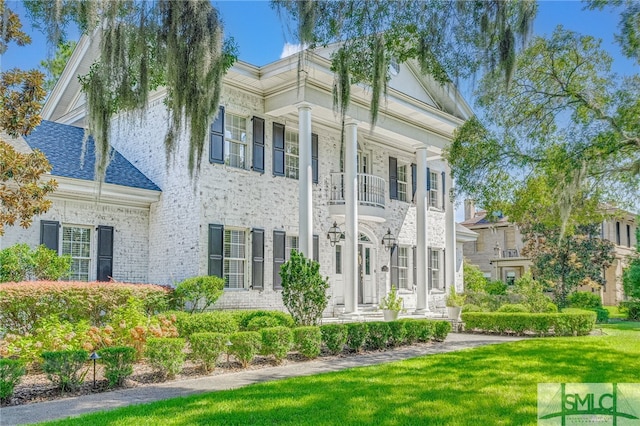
{"x":63,"y":368}
{"x":356,"y":335}
{"x":570,"y":322}
{"x":245,"y":346}
{"x":166,"y":355}
{"x":118,"y":363}
{"x":276,"y":341}
{"x":308,"y":340}
{"x":412,"y":329}
{"x":207,"y":347}
{"x":244,"y":318}
{"x":206,"y":322}
{"x":23,"y":304}
{"x":441,"y":330}
{"x":11,"y":371}
{"x":334,"y":337}
{"x":378,"y":335}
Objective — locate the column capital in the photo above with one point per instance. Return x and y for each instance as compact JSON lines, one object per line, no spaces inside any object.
{"x":351,"y":122}
{"x":303,"y":105}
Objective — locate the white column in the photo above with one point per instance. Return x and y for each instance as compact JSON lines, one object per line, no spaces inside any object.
{"x":351,"y":217}
{"x":305,"y":179}
{"x":450,"y":231}
{"x":422,"y":286}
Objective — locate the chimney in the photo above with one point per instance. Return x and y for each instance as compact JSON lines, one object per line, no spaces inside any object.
{"x":469,"y":209}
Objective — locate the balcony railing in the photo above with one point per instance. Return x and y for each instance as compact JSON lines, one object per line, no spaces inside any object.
{"x":370,"y":190}
{"x":510,"y":253}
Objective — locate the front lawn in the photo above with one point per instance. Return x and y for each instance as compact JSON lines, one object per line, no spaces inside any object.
{"x":484,"y":386}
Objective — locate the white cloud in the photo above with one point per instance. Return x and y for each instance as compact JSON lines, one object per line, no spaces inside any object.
{"x":290,"y":49}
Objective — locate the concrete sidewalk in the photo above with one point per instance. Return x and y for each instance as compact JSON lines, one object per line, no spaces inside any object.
{"x":63,"y":408}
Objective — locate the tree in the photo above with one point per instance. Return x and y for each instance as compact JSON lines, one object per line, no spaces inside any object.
{"x":560,"y":139}
{"x":54,"y":66}
{"x":566,"y":262}
{"x":631,"y":274}
{"x":473,"y":278}
{"x":22,"y":192}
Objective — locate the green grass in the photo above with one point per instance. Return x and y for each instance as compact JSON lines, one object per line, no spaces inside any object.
{"x":614,"y":312}
{"x":485,"y":386}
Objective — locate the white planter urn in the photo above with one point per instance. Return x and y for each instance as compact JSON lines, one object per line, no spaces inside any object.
{"x":390,"y":315}
{"x":454,"y":312}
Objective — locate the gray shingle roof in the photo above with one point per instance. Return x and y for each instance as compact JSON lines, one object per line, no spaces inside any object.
{"x":62,"y":144}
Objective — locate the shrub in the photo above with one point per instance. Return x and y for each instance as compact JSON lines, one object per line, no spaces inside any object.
{"x":308,"y":340}
{"x":531,"y":293}
{"x":585,"y":300}
{"x":20,"y":263}
{"x":473,"y":278}
{"x":391,"y":302}
{"x":356,"y":335}
{"x":23,"y":304}
{"x":258,"y":323}
{"x":243,"y":318}
{"x":632,"y":310}
{"x":62,"y":368}
{"x":197,"y":294}
{"x":441,"y":330}
{"x":471,"y":308}
{"x":426,"y":330}
{"x":334,"y":337}
{"x":304,"y":291}
{"x":513,"y":307}
{"x":412,"y":329}
{"x":165,"y":355}
{"x":497,"y":288}
{"x":11,"y":370}
{"x":551,"y":308}
{"x":491,"y":302}
{"x":377,"y":335}
{"x":396,"y":333}
{"x":245,"y":346}
{"x":206,"y":322}
{"x":602,"y":315}
{"x":569,"y":322}
{"x":207,"y":348}
{"x":118,"y":363}
{"x":276,"y":341}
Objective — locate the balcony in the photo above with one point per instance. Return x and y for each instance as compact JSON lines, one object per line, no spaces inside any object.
{"x":371,"y":197}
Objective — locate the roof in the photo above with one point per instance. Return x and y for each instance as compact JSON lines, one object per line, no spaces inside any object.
{"x":480,"y":218}
{"x":62,"y":145}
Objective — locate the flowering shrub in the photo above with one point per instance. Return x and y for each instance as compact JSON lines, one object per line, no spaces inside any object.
{"x":23,"y":304}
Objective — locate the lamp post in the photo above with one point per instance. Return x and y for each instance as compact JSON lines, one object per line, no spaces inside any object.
{"x":388,"y":240}
{"x":94,"y":356}
{"x":334,"y":234}
{"x":229,"y":344}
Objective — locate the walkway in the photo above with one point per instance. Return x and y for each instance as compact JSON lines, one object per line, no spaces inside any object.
{"x":59,"y":409}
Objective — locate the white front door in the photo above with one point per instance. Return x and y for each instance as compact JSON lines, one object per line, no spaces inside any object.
{"x":366,"y":268}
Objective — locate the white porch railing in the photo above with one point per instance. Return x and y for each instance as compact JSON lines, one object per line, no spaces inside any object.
{"x":370,"y":190}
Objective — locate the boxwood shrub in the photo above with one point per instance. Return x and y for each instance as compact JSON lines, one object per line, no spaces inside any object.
{"x":441,"y":330}
{"x":206,"y":322}
{"x":426,"y":330}
{"x":377,"y":335}
{"x":334,"y":337}
{"x":245,"y":345}
{"x":118,"y":363}
{"x":567,"y":323}
{"x":396,"y":333}
{"x":412,"y":329}
{"x":308,"y":340}
{"x":276,"y":341}
{"x":63,"y":368}
{"x":207,"y":347}
{"x":244,"y":317}
{"x":11,"y":371}
{"x":356,"y":335}
{"x":166,"y":355}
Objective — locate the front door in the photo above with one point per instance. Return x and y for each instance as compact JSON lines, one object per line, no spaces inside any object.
{"x":365,"y":274}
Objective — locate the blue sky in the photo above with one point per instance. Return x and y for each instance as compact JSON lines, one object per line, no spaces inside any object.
{"x":261,"y":36}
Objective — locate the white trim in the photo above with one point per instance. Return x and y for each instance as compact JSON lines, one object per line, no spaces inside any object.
{"x":88,"y":190}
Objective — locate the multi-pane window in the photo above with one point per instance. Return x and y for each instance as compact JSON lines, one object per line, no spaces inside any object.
{"x":402,"y":183}
{"x":403,"y":267}
{"x":434,"y":194}
{"x":291,"y":154}
{"x":434,"y":264}
{"x":234,"y":258}
{"x":338,"y":259}
{"x":235,"y":140}
{"x":76,"y":242}
{"x":291,"y":243}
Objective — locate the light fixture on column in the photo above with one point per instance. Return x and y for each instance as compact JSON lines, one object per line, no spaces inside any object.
{"x":388,"y":240}
{"x":334,"y":234}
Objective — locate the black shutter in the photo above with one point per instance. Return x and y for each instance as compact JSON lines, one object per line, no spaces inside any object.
{"x":258,"y":144}
{"x":428,"y":179}
{"x":316,"y":248}
{"x":278,"y":149}
{"x":279,"y":256}
{"x":393,"y":178}
{"x":216,"y":250}
{"x":429,"y":269}
{"x":414,"y":181}
{"x":216,"y":150}
{"x":394,"y":266}
{"x":314,"y":157}
{"x":415,"y":265}
{"x":257,"y":256}
{"x":49,"y":234}
{"x":444,"y":196}
{"x":105,"y":253}
{"x":444,"y":269}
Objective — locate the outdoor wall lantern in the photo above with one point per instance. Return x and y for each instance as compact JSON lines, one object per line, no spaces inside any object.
{"x":388,"y":240}
{"x":94,"y":356}
{"x":334,"y":234}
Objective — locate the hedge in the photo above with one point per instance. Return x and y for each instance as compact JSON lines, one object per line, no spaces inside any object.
{"x":206,"y":322}
{"x":279,"y":318}
{"x":22,"y":304}
{"x":567,"y":323}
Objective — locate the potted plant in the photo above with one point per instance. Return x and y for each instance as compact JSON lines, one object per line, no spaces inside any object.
{"x":454,"y":304}
{"x":391,"y":305}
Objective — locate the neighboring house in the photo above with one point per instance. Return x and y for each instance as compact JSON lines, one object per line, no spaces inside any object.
{"x":273,"y":182}
{"x":497,"y":250}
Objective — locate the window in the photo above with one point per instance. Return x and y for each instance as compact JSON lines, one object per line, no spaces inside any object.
{"x":338,"y":259}
{"x":402,"y":183}
{"x":291,"y":154}
{"x":290,"y":244}
{"x":511,"y":278}
{"x":235,"y":141}
{"x":434,"y":266}
{"x":234,"y":258}
{"x":434,"y":194}
{"x":628,"y":235}
{"x":618,"y":233}
{"x":403,"y":267}
{"x":76,"y":241}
